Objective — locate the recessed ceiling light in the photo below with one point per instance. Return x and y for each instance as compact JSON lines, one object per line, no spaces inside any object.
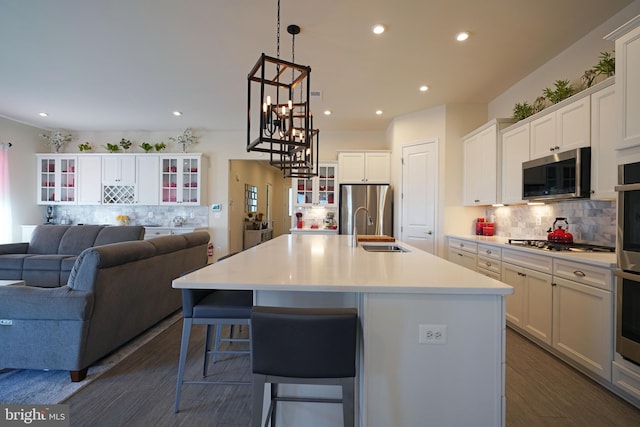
{"x":462,"y":36}
{"x":327,"y":112}
{"x":424,"y":88}
{"x":177,"y":113}
{"x":379,"y":112}
{"x":43,"y":114}
{"x":378,"y":29}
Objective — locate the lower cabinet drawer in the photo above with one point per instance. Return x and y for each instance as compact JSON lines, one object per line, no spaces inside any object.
{"x":489,"y":264}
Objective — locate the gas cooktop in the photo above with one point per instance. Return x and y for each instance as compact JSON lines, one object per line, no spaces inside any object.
{"x":553,"y":246}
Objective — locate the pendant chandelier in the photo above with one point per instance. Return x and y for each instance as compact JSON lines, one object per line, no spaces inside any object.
{"x":284,"y":125}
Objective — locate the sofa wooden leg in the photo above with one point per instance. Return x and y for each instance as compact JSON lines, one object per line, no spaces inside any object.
{"x":77,"y":376}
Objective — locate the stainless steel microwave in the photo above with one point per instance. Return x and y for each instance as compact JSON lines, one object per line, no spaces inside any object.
{"x":565,"y":175}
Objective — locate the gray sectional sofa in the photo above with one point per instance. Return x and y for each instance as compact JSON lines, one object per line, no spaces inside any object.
{"x":114,"y":293}
{"x":47,"y":260}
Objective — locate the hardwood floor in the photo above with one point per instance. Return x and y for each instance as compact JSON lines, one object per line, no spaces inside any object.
{"x":541,"y":391}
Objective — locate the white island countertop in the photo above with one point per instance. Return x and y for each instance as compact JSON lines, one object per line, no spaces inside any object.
{"x":327,"y":263}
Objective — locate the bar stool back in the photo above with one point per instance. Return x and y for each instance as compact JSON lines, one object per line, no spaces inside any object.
{"x":303,"y":346}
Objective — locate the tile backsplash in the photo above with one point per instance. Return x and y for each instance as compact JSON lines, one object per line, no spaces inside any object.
{"x":590,"y":221}
{"x":196,"y":216}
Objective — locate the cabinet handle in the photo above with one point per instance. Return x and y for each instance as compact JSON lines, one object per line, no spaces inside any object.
{"x":579,"y":273}
{"x":554,"y":284}
{"x":551,"y":149}
{"x":462,"y":245}
{"x":557,"y":148}
{"x":488,"y":251}
{"x":459,"y":254}
{"x":476,"y":200}
{"x":488,"y":264}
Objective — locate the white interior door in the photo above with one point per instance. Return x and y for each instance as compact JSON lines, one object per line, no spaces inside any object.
{"x":418,"y":200}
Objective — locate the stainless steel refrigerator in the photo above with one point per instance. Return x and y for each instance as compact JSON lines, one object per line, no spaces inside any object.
{"x":377,"y":199}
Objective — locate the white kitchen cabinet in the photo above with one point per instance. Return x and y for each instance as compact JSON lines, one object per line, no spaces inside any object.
{"x":582,"y":325}
{"x":530,"y":306}
{"x":583,"y":314}
{"x":464,"y":253}
{"x":119,"y":169}
{"x":627,"y":49}
{"x":364,"y":167}
{"x":489,"y":261}
{"x":147,"y":180}
{"x":182,"y":179}
{"x":604,"y":131}
{"x":563,"y":129}
{"x":482,"y":151}
{"x":118,"y":179}
{"x":319,"y":190}
{"x":515,"y":151}
{"x":153,"y":232}
{"x":89,"y":179}
{"x":56,"y":181}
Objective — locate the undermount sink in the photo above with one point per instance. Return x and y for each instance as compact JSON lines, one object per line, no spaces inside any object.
{"x":383,"y":248}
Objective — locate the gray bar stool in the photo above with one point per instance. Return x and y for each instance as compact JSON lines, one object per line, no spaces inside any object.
{"x":212,"y":308}
{"x":303,"y":346}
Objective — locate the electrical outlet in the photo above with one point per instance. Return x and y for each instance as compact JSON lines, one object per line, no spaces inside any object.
{"x":432,"y":334}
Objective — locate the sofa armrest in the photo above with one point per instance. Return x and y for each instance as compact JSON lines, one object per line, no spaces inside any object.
{"x":19,"y":302}
{"x":14,"y":248}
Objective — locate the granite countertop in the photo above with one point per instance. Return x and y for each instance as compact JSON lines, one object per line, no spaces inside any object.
{"x":308,"y":262}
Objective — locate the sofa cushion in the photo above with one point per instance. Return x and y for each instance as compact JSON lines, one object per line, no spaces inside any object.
{"x":12,"y":261}
{"x":46,"y":239}
{"x":43,"y":270}
{"x":11,"y":266}
{"x":167,"y":244}
{"x":117,"y":234}
{"x":78,"y":238}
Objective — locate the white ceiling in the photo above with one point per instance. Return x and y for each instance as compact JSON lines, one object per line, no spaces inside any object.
{"x":127,"y":64}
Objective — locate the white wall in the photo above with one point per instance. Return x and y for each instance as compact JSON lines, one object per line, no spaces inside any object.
{"x":570,"y":64}
{"x":22,"y":173}
{"x":447,"y":125}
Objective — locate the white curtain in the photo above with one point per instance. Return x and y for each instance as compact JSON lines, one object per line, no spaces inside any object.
{"x":5,"y":196}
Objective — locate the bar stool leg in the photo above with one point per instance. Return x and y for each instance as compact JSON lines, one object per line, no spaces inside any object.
{"x":184,"y":346}
{"x":207,"y":350}
{"x":258,"y":399}
{"x":348,"y":399}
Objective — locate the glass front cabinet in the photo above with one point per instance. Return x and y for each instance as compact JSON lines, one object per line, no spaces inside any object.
{"x":319,"y":190}
{"x":181,"y":179}
{"x":56,"y":179}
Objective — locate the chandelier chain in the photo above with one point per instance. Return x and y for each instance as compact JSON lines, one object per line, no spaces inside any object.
{"x":278,"y":34}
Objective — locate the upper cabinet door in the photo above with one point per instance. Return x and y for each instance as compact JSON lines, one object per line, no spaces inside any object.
{"x":351,"y":168}
{"x":56,"y":179}
{"x":515,"y":151}
{"x":572,"y":124}
{"x":628,"y":82}
{"x":562,"y":130}
{"x":89,"y":180}
{"x":377,"y":168}
{"x":364,"y":167}
{"x":117,"y":169}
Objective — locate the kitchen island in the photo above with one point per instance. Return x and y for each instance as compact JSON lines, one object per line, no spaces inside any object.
{"x":432,"y":346}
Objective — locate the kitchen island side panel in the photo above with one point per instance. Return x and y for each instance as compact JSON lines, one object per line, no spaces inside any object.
{"x":457,"y":383}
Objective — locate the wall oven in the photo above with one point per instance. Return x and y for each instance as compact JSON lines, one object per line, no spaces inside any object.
{"x":628,"y":255}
